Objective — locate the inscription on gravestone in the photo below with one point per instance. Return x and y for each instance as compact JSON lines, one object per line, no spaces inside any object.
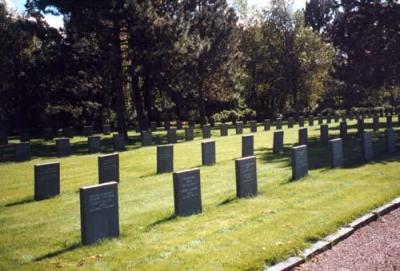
{"x":390,"y":141}
{"x":119,"y":142}
{"x":165,"y":158}
{"x":246,"y":177}
{"x":247,"y":145}
{"x":47,"y":180}
{"x":267,"y":125}
{"x":63,"y":147}
{"x":206,"y":131}
{"x":367,"y":150}
{"x":23,"y":151}
{"x":187,"y":192}
{"x":223,"y":129}
{"x":108,"y":166}
{"x":336,"y":152}
{"x":188,"y":133}
{"x":94,"y":144}
{"x":303,"y":136}
{"x":278,"y":141}
{"x":299,"y":162}
{"x":208,"y":153}
{"x":99,"y":212}
{"x":239,"y":127}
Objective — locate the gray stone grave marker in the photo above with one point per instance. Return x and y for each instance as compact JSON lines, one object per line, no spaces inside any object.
{"x":278,"y":141}
{"x":375,"y":123}
{"x":301,"y":121}
{"x":343,"y":129}
{"x":247,"y":145}
{"x":239,"y":127}
{"x":206,"y":131}
{"x":165,"y":158}
{"x":48,"y":134}
{"x":360,"y":126}
{"x":119,"y":142}
{"x":63,"y":147}
{"x":171,"y":136}
{"x":303,"y":136}
{"x":367,"y":150}
{"x":99,"y":212}
{"x":278,"y":124}
{"x":47,"y":180}
{"x":223,"y":129}
{"x":389,"y":123}
{"x":208,"y":152}
{"x":106,"y":129}
{"x":108,"y":167}
{"x":299,"y":162}
{"x":320,"y":119}
{"x":68,"y":132}
{"x":88,"y":130}
{"x":246,"y":177}
{"x":290,"y":122}
{"x":390,"y":141}
{"x":187,"y":192}
{"x":147,"y":138}
{"x":189,"y":133}
{"x":267,"y":124}
{"x":23,"y":151}
{"x":336,"y":152}
{"x":94,"y":144}
{"x":310,"y":120}
{"x":324,"y":133}
{"x":253,"y":126}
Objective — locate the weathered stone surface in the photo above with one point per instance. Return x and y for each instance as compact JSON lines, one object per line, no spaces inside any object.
{"x":223,"y":129}
{"x":189,"y":133}
{"x":299,"y":162}
{"x":336,"y":152}
{"x":108,"y":168}
{"x":324,"y":133}
{"x":147,"y":138}
{"x":63,"y":147}
{"x":119,"y":142}
{"x":23,"y":151}
{"x":171,"y":136}
{"x":315,"y":249}
{"x":165,"y":158}
{"x":366,"y":142}
{"x":385,"y":209}
{"x":278,"y":141}
{"x":246,"y":177}
{"x":362,"y":221}
{"x":303,"y":136}
{"x":247,"y":145}
{"x":267,"y":124}
{"x":208,"y":152}
{"x":253,"y":126}
{"x":94,"y":144}
{"x":338,"y":236}
{"x":206,"y":131}
{"x":390,"y":141}
{"x":239,"y":127}
{"x":187,"y":192}
{"x":343,"y":130}
{"x":47,"y":180}
{"x":99,"y":212}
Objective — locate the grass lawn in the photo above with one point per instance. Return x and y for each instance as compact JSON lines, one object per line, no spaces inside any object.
{"x":230,"y":234}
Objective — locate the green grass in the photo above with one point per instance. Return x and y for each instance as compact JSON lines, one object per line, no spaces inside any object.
{"x":230,"y":234}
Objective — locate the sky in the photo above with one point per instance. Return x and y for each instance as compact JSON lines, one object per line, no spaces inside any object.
{"x":56,"y":21}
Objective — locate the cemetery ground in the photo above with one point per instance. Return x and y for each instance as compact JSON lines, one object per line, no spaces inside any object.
{"x":230,"y":234}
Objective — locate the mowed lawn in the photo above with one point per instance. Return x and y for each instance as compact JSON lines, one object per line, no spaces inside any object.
{"x":230,"y":234}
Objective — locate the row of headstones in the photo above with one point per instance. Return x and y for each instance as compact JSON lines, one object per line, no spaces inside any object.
{"x":63,"y":147}
{"x":99,"y":203}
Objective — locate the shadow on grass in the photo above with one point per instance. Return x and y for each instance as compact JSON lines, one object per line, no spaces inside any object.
{"x":228,"y":200}
{"x":20,"y":202}
{"x":161,"y":221}
{"x":58,"y":252}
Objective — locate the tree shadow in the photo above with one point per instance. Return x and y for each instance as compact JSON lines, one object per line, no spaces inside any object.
{"x":58,"y":252}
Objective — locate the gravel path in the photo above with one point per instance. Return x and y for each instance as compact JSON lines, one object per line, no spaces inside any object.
{"x":373,"y":247}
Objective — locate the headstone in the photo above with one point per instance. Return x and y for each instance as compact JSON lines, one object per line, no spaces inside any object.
{"x":108,"y":167}
{"x":310,"y":120}
{"x":329,"y":118}
{"x":189,"y":133}
{"x":253,"y":126}
{"x":153,"y":126}
{"x":246,"y":177}
{"x":367,"y":150}
{"x":179,"y":125}
{"x":320,"y":119}
{"x":99,"y":212}
{"x":223,"y":129}
{"x":278,"y":124}
{"x":146,"y":138}
{"x":165,"y":158}
{"x":167,"y":125}
{"x":106,"y":129}
{"x":324,"y":133}
{"x":187,"y":192}
{"x":336,"y":116}
{"x":301,"y":121}
{"x":247,"y":145}
{"x":336,"y":152}
{"x":278,"y":141}
{"x":94,"y":144}
{"x":206,"y":130}
{"x":171,"y":136}
{"x":299,"y":162}
{"x":63,"y":147}
{"x":290,"y":122}
{"x":375,"y":123}
{"x":23,"y":151}
{"x":267,"y":125}
{"x":389,"y":123}
{"x":119,"y":142}
{"x":360,"y":126}
{"x":88,"y":130}
{"x":191,"y":123}
{"x":390,"y":141}
{"x":68,"y":132}
{"x":343,"y":130}
{"x":208,"y":152}
{"x":47,"y":180}
{"x":303,"y":136}
{"x":239,"y":127}
{"x":48,"y":134}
